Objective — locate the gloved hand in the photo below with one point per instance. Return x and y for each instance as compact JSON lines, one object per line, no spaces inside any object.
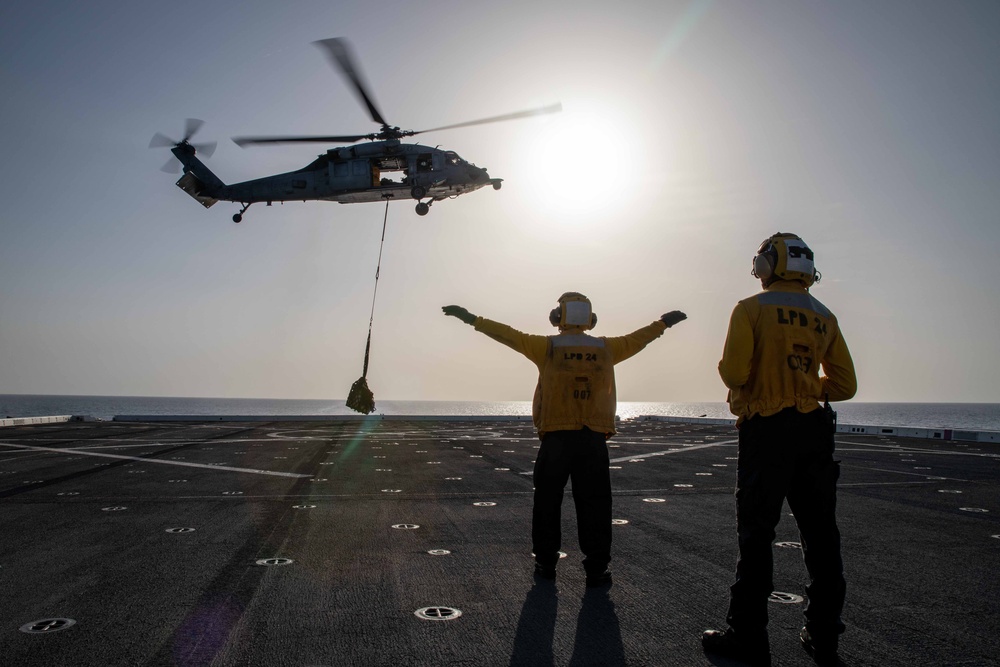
{"x":673,"y":317}
{"x":460,"y":313}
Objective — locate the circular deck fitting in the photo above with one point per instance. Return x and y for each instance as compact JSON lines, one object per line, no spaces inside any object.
{"x":501,"y":469}
{"x":485,"y":504}
{"x":419,"y":451}
{"x":328,"y":463}
{"x":654,"y":500}
{"x":136,"y":472}
{"x":318,"y":479}
{"x":177,"y":481}
{"x":614,"y":467}
{"x":703,"y":474}
{"x":47,"y":625}
{"x":114,"y":508}
{"x":974,"y":509}
{"x":439,"y":552}
{"x":684,"y":486}
{"x":391,"y":490}
{"x":378,"y":457}
{"x":458,"y":447}
{"x":619,"y":522}
{"x":784,"y":598}
{"x":179,"y":530}
{"x":232,"y":493}
{"x":433,"y":463}
{"x":275,"y":561}
{"x":935,"y":477}
{"x":383,"y":469}
{"x":453,"y":478}
{"x":508,"y":451}
{"x":948,"y":491}
{"x":732,"y":458}
{"x":437,"y":613}
{"x":68,"y":493}
{"x":720,"y":465}
{"x":303,"y":507}
{"x":475,"y":456}
{"x":788,"y":545}
{"x":921,"y":468}
{"x":405,"y":526}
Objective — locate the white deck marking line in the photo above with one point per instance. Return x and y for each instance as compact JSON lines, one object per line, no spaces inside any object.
{"x":901,"y":449}
{"x":913,"y":474}
{"x":160,"y":461}
{"x":681,"y":448}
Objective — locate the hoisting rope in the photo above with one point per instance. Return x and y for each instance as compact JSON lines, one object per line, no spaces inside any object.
{"x":360,"y":398}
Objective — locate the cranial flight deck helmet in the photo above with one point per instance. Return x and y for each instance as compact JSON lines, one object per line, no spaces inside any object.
{"x":574,"y":310}
{"x":785,"y":257}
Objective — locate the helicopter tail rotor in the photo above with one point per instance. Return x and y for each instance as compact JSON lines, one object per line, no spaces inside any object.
{"x":191,"y":126}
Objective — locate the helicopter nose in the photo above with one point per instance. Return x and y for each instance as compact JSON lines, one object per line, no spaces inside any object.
{"x":478,"y":173}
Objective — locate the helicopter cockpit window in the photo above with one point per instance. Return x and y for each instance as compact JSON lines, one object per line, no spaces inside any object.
{"x":451,"y":158}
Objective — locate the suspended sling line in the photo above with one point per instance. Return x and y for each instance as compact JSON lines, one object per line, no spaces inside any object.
{"x":361,"y":399}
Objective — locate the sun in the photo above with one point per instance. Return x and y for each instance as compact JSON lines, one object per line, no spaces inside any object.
{"x":582,"y":163}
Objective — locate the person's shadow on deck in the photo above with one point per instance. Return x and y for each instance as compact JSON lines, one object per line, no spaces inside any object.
{"x":598,"y":633}
{"x":536,"y":627}
{"x":598,"y":638}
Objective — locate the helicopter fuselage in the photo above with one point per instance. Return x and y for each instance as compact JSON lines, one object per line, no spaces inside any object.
{"x":367,"y":172}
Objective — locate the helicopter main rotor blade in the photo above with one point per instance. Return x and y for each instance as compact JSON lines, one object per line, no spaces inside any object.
{"x":345,"y":139}
{"x":340,"y":55}
{"x":552,"y":108}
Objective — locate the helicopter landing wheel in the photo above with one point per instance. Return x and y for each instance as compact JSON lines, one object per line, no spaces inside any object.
{"x":238,"y":217}
{"x":422,"y":208}
{"x":418,"y":192}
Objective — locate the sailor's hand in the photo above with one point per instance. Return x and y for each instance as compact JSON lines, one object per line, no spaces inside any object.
{"x":460,"y":313}
{"x":673,"y":317}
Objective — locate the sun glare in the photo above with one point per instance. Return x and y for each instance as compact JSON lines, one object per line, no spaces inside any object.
{"x":582,"y":163}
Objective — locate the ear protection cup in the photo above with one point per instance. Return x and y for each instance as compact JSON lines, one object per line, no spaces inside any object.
{"x":763,"y":266}
{"x":555,"y":315}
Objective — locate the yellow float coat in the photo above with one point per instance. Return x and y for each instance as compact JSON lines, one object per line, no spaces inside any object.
{"x":777,"y":342}
{"x":576,"y":376}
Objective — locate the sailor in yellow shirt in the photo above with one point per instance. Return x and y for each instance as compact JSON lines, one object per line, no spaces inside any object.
{"x":778,"y":342}
{"x":574,"y":412}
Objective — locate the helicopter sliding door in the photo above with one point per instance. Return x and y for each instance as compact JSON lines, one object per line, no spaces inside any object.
{"x":350,"y":174}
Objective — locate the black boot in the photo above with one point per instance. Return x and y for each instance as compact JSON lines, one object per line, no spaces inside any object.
{"x":823,"y":648}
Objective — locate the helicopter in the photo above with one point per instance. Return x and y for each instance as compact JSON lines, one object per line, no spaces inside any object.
{"x":381,"y":169}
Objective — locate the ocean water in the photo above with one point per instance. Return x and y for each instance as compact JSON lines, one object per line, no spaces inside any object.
{"x":970,"y":416}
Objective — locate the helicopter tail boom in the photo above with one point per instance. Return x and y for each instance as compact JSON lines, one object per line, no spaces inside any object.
{"x":198,"y":180}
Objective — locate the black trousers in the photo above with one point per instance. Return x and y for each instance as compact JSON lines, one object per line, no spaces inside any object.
{"x":583,"y":457}
{"x":787,"y":455}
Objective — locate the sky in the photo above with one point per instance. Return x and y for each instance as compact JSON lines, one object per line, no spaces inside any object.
{"x":691,"y":130}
